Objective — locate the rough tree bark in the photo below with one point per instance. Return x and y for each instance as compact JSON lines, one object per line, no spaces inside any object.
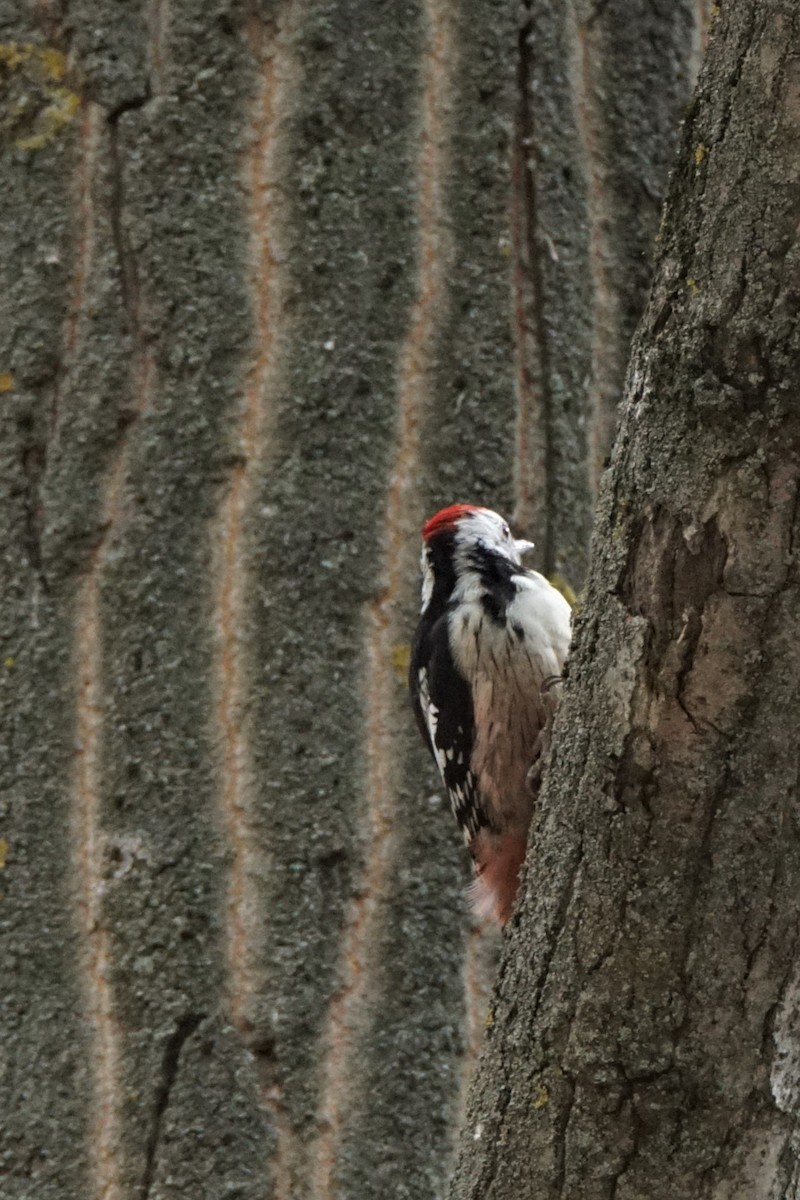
{"x":645,"y":1037}
{"x":277,"y":279}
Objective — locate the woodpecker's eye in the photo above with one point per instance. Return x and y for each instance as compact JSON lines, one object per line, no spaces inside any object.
{"x":506,"y":532}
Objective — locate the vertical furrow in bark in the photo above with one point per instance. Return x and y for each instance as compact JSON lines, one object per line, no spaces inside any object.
{"x":600,"y":93}
{"x":531,"y":506}
{"x":609,"y":339}
{"x":552,"y":286}
{"x":479,"y":966}
{"x":89,"y":864}
{"x":89,"y":841}
{"x":383,"y":630}
{"x":234,"y":583}
{"x":631,"y":71}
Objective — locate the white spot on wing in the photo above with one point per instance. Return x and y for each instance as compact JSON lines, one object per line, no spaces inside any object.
{"x":427,"y":579}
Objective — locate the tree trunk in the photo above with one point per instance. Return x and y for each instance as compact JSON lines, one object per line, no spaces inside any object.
{"x":644,"y":1036}
{"x":277,"y":281}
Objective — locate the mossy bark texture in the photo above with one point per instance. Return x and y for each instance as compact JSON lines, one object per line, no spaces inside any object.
{"x":276,"y":281}
{"x":644,"y":1038}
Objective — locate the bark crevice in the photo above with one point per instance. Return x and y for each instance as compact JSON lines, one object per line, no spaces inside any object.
{"x":185,"y":1027}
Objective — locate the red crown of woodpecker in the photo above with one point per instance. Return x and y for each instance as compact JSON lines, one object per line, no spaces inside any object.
{"x":446,"y":519}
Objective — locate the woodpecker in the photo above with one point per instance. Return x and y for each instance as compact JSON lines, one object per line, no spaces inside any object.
{"x":491,"y":641}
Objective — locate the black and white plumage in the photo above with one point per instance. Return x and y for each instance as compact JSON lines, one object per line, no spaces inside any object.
{"x":491,"y":638}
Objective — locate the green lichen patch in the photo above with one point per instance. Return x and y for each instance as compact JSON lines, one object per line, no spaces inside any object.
{"x":35,"y":103}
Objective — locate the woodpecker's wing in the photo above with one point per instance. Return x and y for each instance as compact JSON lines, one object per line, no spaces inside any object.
{"x":444,"y":711}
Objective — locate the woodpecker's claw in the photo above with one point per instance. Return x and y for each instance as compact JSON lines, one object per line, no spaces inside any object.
{"x":550,"y":682}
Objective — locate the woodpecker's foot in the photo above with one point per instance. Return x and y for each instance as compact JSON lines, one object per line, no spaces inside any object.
{"x":533,"y":779}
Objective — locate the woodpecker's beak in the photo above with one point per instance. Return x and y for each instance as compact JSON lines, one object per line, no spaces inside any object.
{"x":521,"y":546}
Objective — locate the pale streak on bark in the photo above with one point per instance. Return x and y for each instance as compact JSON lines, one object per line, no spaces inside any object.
{"x":237,"y":799}
{"x":157,"y":53}
{"x":89,"y":142}
{"x":609,"y":345}
{"x":88,"y":840}
{"x":89,"y":854}
{"x":476,"y":1001}
{"x":532,"y":480}
{"x":400,"y":539}
{"x":531,"y":435}
{"x":704,"y":13}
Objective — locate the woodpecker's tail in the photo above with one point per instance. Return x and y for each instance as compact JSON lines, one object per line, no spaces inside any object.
{"x":498,"y":858}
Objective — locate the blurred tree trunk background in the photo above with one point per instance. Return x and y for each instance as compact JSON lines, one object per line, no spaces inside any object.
{"x":277,"y":282}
